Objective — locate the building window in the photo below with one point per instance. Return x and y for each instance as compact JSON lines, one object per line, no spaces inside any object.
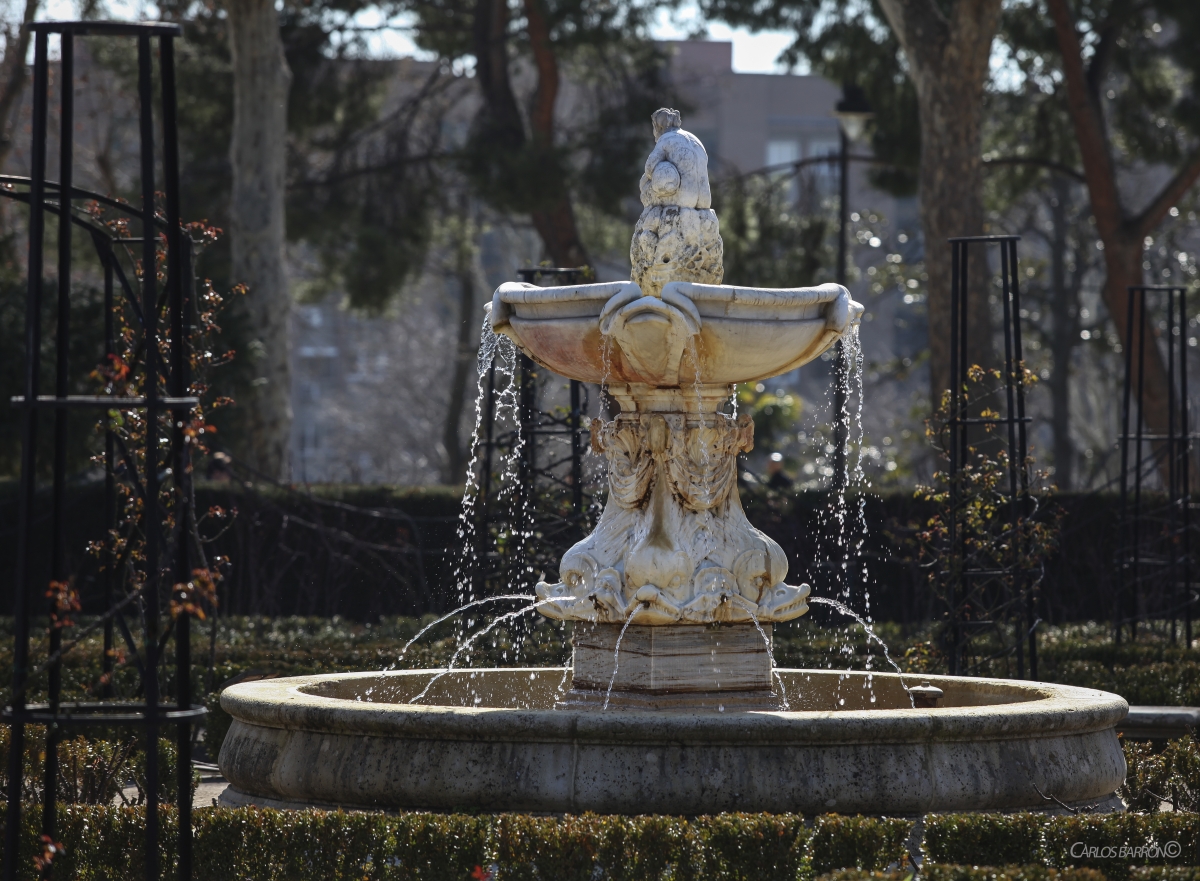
{"x":823,"y":175}
{"x":823,"y":147}
{"x":782,"y":152}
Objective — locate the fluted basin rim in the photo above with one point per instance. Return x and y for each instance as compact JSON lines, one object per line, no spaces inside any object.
{"x":1032,"y":710}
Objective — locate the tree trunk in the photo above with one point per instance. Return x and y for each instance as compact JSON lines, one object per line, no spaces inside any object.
{"x":15,"y":73}
{"x":1065,"y":332}
{"x":554,"y":218}
{"x":556,"y":222}
{"x":258,"y":154}
{"x":16,"y":47}
{"x":556,"y":228}
{"x":1123,"y":235}
{"x":501,"y":119}
{"x":948,"y":62}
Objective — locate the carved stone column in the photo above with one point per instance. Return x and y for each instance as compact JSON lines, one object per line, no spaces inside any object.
{"x":673,"y":544}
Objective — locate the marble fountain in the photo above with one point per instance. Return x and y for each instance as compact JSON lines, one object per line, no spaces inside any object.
{"x":671,"y":703}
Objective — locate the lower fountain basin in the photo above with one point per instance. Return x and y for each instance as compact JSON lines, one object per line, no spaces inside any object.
{"x":490,"y":740}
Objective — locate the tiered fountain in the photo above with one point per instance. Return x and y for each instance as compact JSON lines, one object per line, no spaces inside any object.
{"x":671,"y":703}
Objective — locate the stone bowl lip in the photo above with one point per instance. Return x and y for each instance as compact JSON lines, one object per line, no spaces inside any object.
{"x":713,"y":302}
{"x":1051,"y":710}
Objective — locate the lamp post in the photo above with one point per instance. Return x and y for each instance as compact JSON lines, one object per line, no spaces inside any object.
{"x":852,"y":112}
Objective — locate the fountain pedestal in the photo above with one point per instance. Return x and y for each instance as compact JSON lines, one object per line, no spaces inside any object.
{"x":684,"y":668}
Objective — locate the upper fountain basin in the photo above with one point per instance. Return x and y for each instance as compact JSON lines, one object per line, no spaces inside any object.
{"x":691,"y":333}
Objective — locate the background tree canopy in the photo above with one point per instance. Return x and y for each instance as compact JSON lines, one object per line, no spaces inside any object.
{"x":534,"y":112}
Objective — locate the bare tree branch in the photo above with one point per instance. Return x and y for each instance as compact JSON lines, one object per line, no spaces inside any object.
{"x":1060,"y":167}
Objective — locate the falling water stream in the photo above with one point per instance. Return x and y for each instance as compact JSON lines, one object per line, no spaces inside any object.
{"x":508,"y":616}
{"x":499,"y":354}
{"x":848,"y":529}
{"x":458,"y":611}
{"x":490,"y":346}
{"x":866,"y":626}
{"x":771,"y":654}
{"x":617,"y":654}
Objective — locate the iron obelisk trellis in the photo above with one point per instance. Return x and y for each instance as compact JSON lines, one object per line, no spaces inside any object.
{"x":538,"y":469}
{"x":162,"y":553}
{"x":966,"y":580}
{"x":1155,"y":550}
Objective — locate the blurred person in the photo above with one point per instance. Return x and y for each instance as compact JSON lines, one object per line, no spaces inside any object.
{"x":776,"y":478}
{"x":220,"y":468}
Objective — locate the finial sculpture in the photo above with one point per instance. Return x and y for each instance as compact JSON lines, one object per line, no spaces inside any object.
{"x":677,"y":238}
{"x":673,"y":545}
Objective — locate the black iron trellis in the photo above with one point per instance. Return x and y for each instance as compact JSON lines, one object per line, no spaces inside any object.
{"x":176,"y":300}
{"x":966,"y":580}
{"x":551,"y":488}
{"x":1154,"y":563}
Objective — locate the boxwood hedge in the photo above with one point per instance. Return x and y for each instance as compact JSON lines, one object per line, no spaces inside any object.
{"x":249,"y":844}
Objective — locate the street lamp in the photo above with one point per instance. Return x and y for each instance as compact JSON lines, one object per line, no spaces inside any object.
{"x":853,"y":113}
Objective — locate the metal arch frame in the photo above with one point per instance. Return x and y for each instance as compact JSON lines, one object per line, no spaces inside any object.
{"x":177,"y":300}
{"x":102,"y":238}
{"x":1139,"y":563}
{"x":1016,"y":421}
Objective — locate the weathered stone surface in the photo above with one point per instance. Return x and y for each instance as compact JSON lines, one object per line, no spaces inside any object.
{"x":673,"y":544}
{"x":677,"y":238}
{"x":489,"y":740}
{"x":676,"y":171}
{"x":676,"y":244}
{"x":671,"y":660}
{"x":672,"y":669}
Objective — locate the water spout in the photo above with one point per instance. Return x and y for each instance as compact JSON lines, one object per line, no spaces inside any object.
{"x":471,"y":641}
{"x":866,"y":626}
{"x":458,"y":611}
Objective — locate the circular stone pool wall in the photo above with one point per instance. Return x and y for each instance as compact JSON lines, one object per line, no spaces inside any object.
{"x":491,"y":740}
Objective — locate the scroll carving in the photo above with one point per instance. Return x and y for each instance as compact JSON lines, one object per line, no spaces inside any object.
{"x":697,"y":456}
{"x":673,"y":544}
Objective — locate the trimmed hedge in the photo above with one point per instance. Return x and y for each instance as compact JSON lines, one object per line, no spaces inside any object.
{"x":972,"y":873}
{"x":840,"y":842}
{"x":366,"y":551}
{"x":249,"y":844}
{"x":989,"y":839}
{"x":984,"y":839}
{"x":90,"y":770}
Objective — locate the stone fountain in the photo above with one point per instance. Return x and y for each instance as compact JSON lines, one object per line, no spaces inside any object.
{"x":671,"y":703}
{"x":673,"y":548}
